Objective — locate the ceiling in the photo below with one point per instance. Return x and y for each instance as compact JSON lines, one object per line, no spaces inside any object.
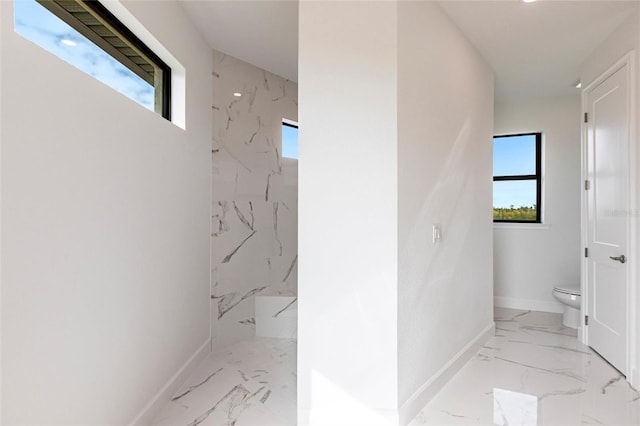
{"x":536,"y":49}
{"x":261,"y":32}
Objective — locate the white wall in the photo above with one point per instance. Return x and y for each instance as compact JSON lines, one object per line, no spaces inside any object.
{"x":444,"y":177}
{"x":396,"y":112}
{"x":530,"y":259}
{"x":1,"y":257}
{"x":105,"y":232}
{"x":624,"y":40}
{"x":255,"y":196}
{"x":347,"y":276}
{"x":618,"y":44}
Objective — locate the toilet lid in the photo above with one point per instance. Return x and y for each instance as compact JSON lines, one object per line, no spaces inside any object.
{"x":568,"y":289}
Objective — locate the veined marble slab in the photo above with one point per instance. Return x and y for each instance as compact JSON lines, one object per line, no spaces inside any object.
{"x":514,"y":408}
{"x":276,"y":316}
{"x":250,"y":383}
{"x":255,"y":195}
{"x":254,"y":382}
{"x":532,"y":353}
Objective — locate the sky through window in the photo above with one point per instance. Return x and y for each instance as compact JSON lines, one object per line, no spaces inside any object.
{"x":289,"y":141}
{"x":514,"y":155}
{"x":35,"y":23}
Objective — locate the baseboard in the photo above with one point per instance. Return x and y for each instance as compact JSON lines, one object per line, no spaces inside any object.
{"x":412,"y":406}
{"x":527,"y":304}
{"x":156,"y":403}
{"x":635,"y":378}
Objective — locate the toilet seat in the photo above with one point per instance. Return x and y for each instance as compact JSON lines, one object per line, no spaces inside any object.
{"x":568,"y":289}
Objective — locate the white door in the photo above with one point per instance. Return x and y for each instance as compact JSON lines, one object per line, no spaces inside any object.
{"x":607,"y":157}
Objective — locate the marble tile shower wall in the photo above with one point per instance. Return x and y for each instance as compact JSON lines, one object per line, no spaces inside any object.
{"x":255,"y":196}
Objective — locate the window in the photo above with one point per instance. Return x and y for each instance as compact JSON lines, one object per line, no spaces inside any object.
{"x":289,"y":139}
{"x":516,"y":178}
{"x":86,"y":35}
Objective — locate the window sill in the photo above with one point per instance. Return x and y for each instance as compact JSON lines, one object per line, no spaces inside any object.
{"x":519,"y":226}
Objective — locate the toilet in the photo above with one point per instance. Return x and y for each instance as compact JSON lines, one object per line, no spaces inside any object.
{"x":569,"y":296}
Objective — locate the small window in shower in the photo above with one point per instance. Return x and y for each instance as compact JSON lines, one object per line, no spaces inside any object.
{"x":289,"y":139}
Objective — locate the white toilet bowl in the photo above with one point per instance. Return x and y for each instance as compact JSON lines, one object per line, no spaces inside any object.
{"x":569,"y":296}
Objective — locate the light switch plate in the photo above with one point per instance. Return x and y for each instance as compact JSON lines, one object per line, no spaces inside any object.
{"x":437,"y":233}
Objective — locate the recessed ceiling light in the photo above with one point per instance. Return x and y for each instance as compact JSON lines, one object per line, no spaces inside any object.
{"x":528,"y":1}
{"x":579,"y":85}
{"x":68,"y":42}
{"x":237,"y":94}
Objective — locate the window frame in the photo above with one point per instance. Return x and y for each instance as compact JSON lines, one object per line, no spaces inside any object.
{"x":101,"y":13}
{"x":289,"y":123}
{"x":293,"y":124}
{"x":537,"y":177}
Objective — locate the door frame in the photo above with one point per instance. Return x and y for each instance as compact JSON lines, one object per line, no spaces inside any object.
{"x":633,"y":275}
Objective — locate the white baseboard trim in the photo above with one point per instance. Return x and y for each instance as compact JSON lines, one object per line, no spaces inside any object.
{"x":635,"y":378}
{"x":527,"y":304}
{"x":165,"y":393}
{"x":412,"y":406}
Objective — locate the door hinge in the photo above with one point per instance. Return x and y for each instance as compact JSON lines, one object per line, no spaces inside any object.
{"x":586,"y":252}
{"x":586,"y":117}
{"x":587,"y":185}
{"x":586,"y":320}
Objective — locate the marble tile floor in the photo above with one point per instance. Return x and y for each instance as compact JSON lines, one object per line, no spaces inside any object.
{"x":534,"y":371}
{"x":252,"y":382}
